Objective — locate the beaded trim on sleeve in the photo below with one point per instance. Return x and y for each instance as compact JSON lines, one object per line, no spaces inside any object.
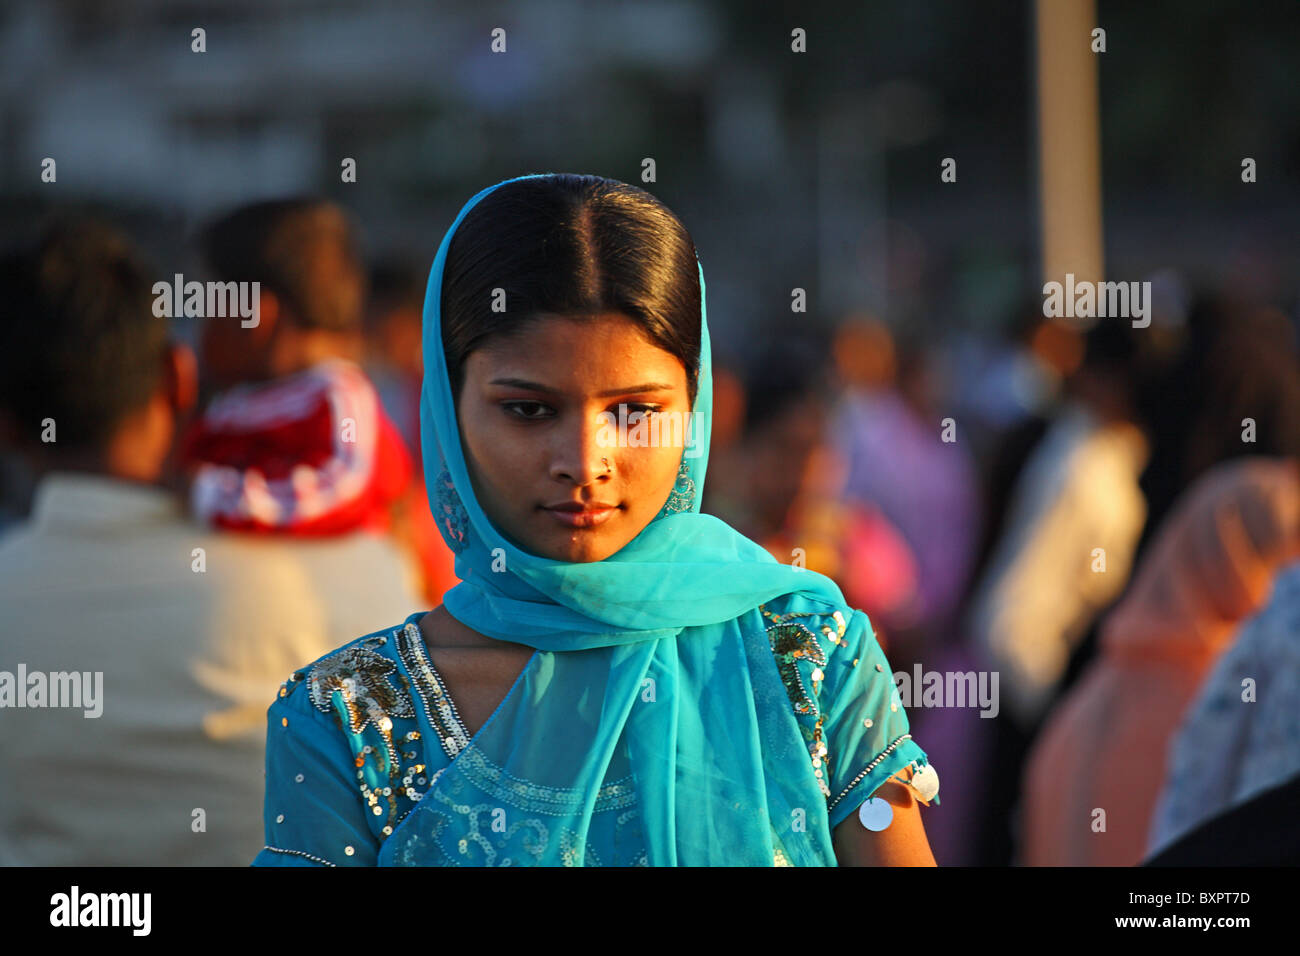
{"x":867,"y":769}
{"x":314,"y":859}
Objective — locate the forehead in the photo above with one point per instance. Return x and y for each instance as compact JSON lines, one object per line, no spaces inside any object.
{"x":567,"y":351}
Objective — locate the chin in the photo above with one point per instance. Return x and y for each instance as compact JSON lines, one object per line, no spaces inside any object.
{"x":583,"y":550}
{"x":580,"y":547}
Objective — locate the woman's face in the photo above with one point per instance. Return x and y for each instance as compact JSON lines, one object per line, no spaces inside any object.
{"x":539,"y":449}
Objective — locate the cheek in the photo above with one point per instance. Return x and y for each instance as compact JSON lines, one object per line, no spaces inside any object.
{"x":650,"y":473}
{"x":490,"y":450}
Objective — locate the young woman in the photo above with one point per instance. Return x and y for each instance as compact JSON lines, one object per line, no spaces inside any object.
{"x":618,"y":679}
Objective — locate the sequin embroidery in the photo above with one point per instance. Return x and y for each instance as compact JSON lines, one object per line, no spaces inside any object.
{"x":794,"y":643}
{"x":790,"y":644}
{"x":374,"y":693}
{"x":482,"y":844}
{"x":535,"y":798}
{"x":450,"y":512}
{"x":682,"y":497}
{"x":361,"y":675}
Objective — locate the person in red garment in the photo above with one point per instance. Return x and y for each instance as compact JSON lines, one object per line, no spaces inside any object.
{"x":297,"y":440}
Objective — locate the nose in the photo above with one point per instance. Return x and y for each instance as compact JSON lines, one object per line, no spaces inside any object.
{"x":579,"y":455}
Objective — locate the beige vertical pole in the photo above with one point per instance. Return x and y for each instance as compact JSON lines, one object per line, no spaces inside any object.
{"x":1069,"y":147}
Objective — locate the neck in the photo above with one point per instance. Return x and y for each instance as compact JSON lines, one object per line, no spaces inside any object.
{"x":137,"y":451}
{"x":443,"y":631}
{"x":304,"y":348}
{"x":94,"y":463}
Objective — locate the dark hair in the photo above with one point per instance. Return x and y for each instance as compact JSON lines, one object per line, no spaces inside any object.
{"x":396,"y":283}
{"x":1254,"y":373}
{"x":304,"y":250}
{"x":576,"y":246}
{"x":1136,"y":356}
{"x":79,"y":341}
{"x":1238,"y":363}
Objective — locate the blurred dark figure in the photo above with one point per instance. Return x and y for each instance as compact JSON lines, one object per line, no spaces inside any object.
{"x":306,"y":255}
{"x":1072,"y":524}
{"x":1044,"y":354}
{"x":1259,"y":832}
{"x":1230,"y":364}
{"x":297,"y":442}
{"x":1064,"y":552}
{"x":171,"y":639}
{"x":1005,"y":385}
{"x":1233,"y":366}
{"x":1248,"y":403}
{"x":84,"y":283}
{"x":17,"y":483}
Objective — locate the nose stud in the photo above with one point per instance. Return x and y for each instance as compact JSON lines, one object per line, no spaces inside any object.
{"x":605,"y":462}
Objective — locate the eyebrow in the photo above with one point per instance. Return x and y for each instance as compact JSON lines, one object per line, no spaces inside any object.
{"x":537,"y":387}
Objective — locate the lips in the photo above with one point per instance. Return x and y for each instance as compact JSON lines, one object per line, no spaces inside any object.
{"x":574,"y":514}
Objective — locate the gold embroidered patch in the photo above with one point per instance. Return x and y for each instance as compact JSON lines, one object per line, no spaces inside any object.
{"x":792,"y":643}
{"x":361,"y":675}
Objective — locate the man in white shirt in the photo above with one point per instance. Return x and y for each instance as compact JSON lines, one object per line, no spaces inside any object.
{"x":138,"y":651}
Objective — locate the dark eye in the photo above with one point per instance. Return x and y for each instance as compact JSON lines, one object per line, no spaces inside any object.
{"x":528,"y":411}
{"x":644,"y":408}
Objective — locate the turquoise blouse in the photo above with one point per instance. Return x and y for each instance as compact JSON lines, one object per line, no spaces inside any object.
{"x":359,"y":739}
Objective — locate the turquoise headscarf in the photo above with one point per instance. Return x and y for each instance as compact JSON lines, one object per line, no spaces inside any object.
{"x":633,"y":735}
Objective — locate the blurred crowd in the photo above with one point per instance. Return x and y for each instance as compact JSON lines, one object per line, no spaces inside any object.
{"x":1107,"y":517}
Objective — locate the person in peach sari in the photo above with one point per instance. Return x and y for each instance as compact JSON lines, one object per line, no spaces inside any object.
{"x":1212,"y":566}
